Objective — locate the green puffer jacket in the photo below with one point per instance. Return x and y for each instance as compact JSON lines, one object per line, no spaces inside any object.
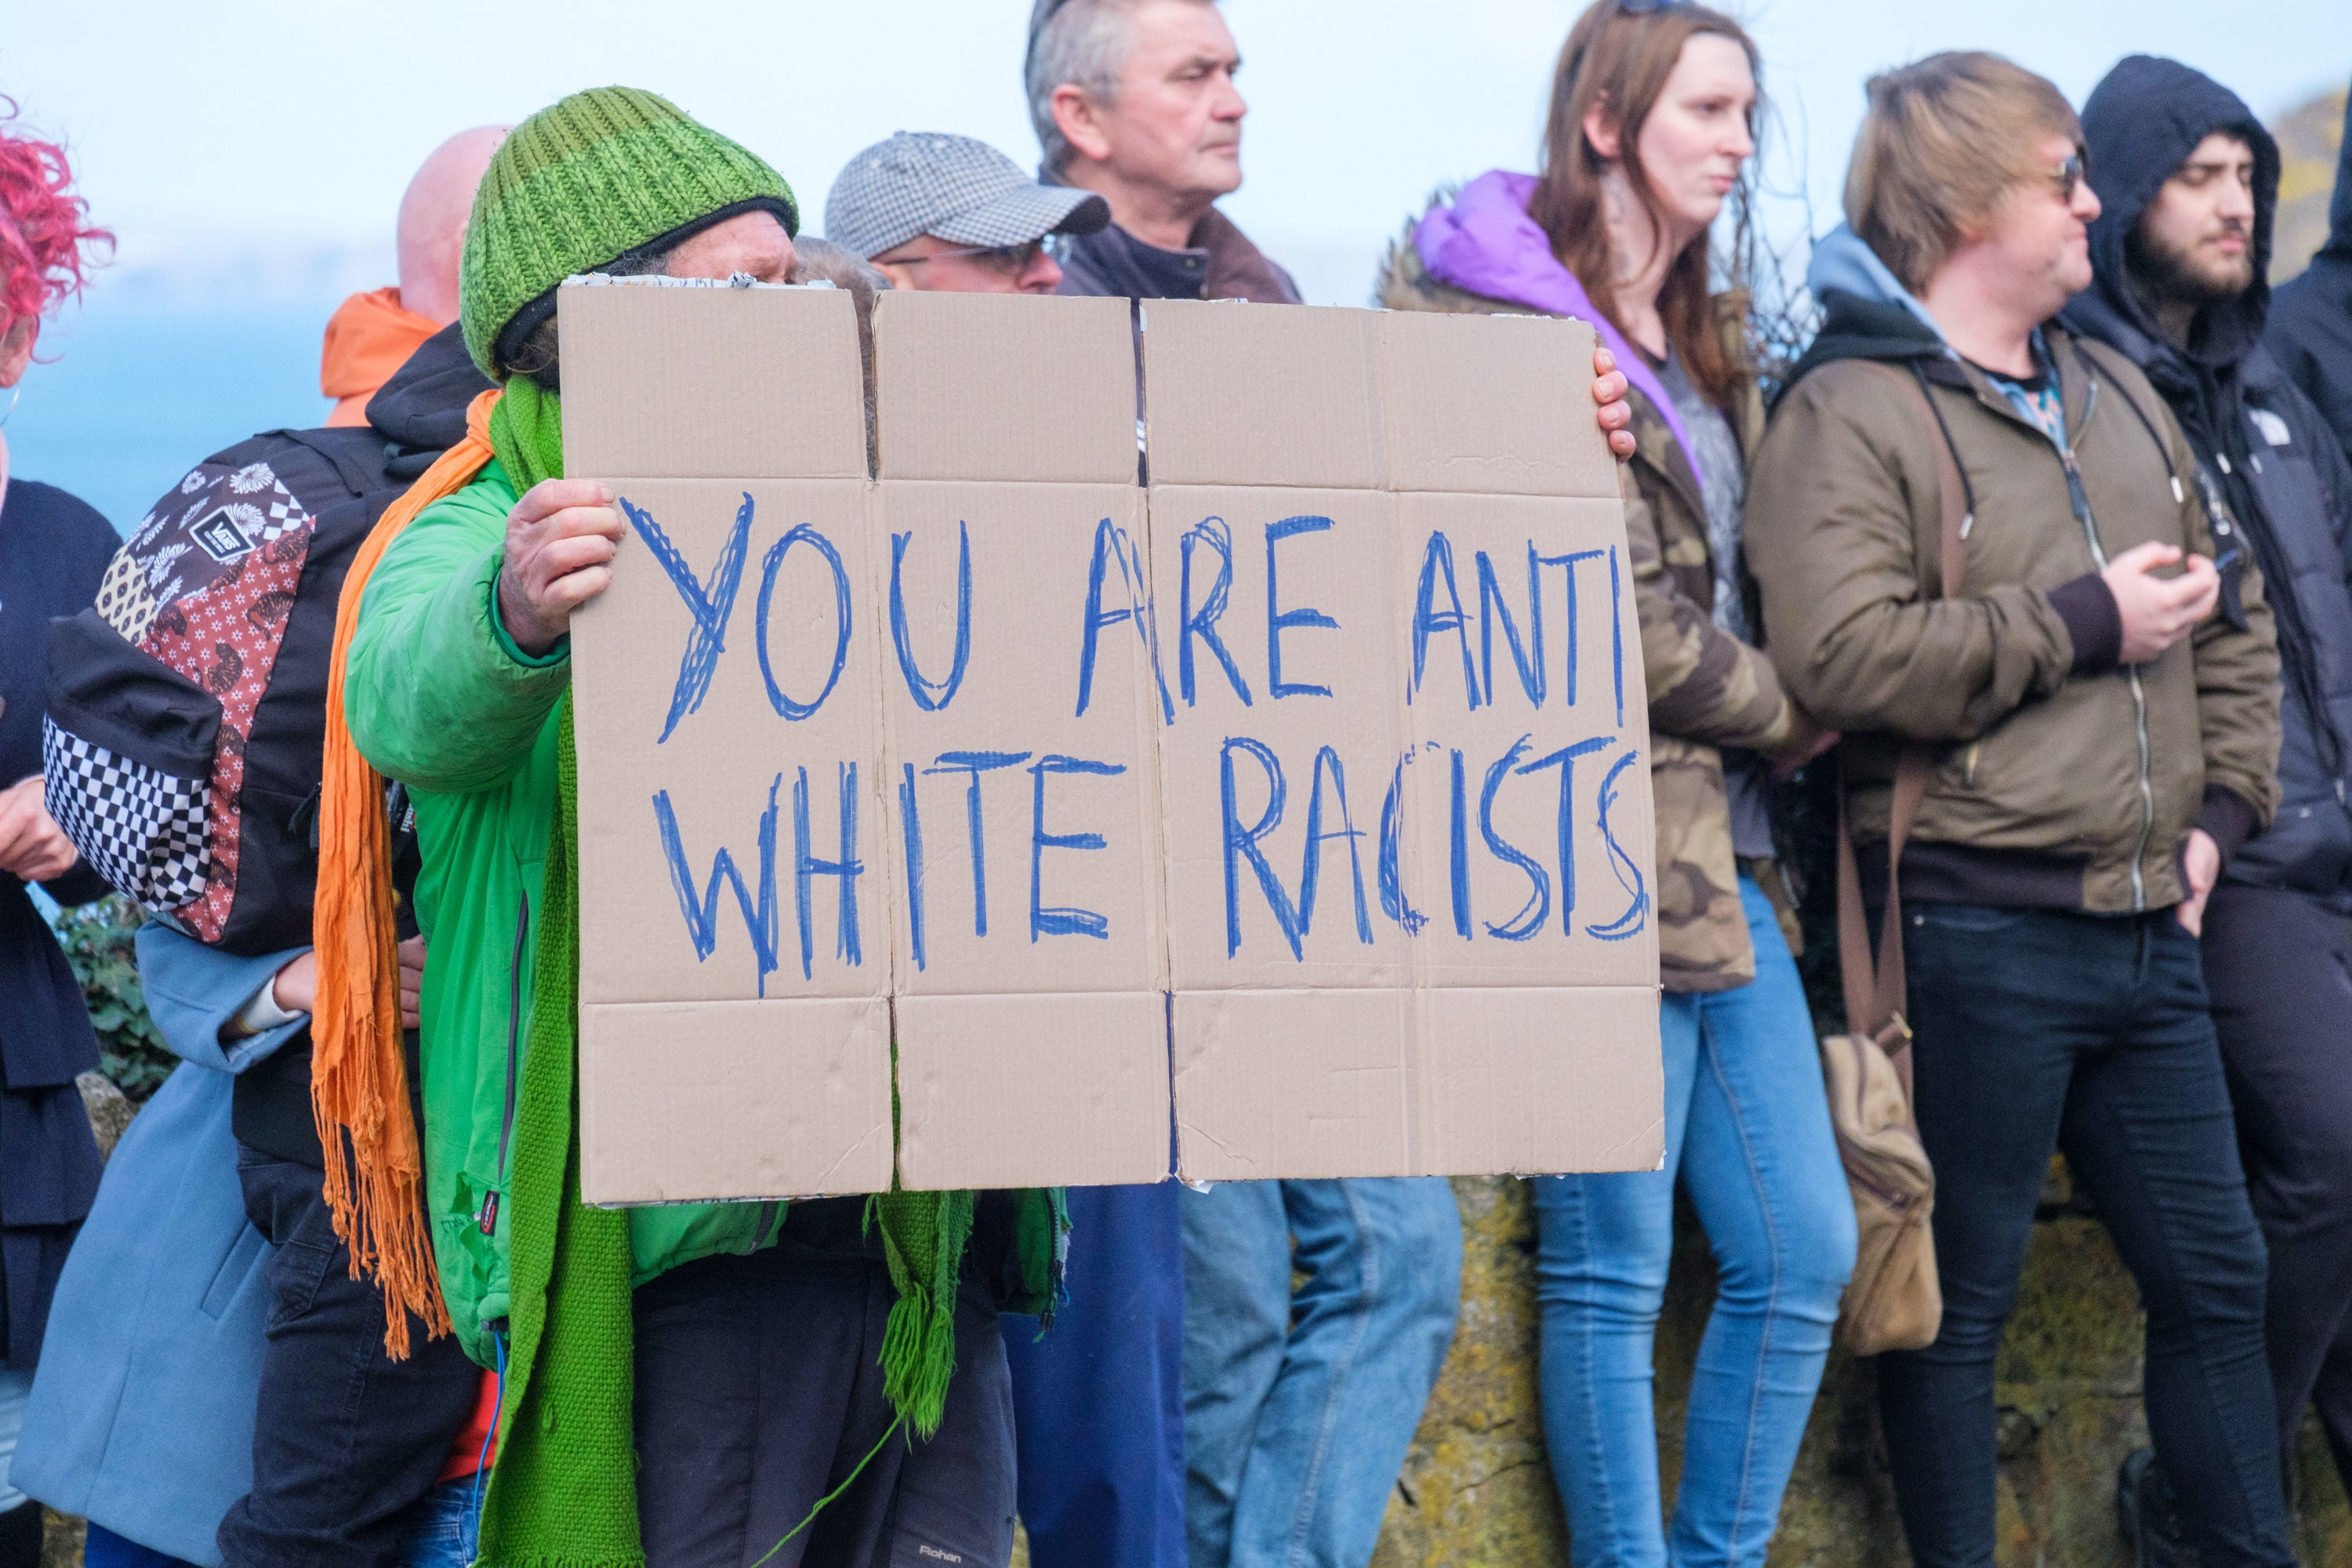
{"x":439,"y":698}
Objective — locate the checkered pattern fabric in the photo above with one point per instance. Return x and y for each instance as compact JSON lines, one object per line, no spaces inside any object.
{"x":204,"y":588}
{"x":140,"y":829}
{"x":960,"y":189}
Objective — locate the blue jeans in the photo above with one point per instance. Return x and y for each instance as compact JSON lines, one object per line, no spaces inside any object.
{"x":1298,"y":1409}
{"x":1748,"y":1131}
{"x":442,"y":1525}
{"x":1097,"y":1403}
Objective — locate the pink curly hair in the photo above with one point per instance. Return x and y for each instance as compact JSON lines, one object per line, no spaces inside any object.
{"x":46,"y":236}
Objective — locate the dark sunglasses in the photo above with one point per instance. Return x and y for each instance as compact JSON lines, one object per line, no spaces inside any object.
{"x":2069,"y":176}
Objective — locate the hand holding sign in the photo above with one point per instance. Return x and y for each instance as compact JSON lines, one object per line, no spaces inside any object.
{"x":1608,"y":385}
{"x":559,"y":541}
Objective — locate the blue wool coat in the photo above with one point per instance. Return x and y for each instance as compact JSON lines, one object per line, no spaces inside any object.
{"x":141,"y":1412}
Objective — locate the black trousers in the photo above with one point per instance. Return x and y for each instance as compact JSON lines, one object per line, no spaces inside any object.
{"x":2040,"y":1030}
{"x":2279,"y":968}
{"x":345,"y":1439}
{"x":759,"y":1391}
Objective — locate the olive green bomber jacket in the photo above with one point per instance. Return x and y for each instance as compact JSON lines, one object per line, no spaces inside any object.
{"x":2063,"y":778}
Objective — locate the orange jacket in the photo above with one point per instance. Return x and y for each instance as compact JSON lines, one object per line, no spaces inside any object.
{"x":368,"y":338}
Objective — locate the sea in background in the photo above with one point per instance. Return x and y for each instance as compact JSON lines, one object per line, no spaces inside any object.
{"x":160,"y":367}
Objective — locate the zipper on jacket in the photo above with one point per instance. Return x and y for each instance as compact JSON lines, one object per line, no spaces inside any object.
{"x":2081,"y":500}
{"x":1969,"y":772}
{"x":488,"y":1217}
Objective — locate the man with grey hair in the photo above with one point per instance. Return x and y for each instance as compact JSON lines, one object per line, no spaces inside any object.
{"x":1135,"y":100}
{"x":1296,"y":1407}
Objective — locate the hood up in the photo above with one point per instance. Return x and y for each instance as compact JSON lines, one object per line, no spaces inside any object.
{"x":1485,"y":243}
{"x":422,"y":409}
{"x":1866,"y":311}
{"x":2310,"y":328}
{"x":2140,"y":124}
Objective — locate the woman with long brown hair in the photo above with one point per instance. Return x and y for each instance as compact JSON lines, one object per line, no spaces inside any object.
{"x":1649,"y":140}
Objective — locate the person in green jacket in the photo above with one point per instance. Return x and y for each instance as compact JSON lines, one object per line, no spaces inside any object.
{"x":746,"y":1361}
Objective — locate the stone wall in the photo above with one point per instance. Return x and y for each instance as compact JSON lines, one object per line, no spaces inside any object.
{"x":1476,"y":1492}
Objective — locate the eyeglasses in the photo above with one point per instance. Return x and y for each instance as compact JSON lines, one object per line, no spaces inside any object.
{"x":2068,"y":176}
{"x":1009,"y":260}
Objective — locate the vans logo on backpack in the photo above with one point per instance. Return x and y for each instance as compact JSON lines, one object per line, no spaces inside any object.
{"x":219,"y":536}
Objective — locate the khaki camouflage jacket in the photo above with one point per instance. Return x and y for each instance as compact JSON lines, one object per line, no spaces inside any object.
{"x":1707,"y":689}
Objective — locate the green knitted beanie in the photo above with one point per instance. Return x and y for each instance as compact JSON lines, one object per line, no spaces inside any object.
{"x":583,"y":182}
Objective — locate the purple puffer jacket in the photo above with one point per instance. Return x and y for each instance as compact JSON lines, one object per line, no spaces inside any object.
{"x":1486,"y":244}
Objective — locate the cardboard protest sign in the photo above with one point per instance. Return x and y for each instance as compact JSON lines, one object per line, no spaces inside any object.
{"x":1297,"y":801}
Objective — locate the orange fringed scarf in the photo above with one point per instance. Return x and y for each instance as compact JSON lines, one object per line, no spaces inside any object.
{"x":359,"y":1082}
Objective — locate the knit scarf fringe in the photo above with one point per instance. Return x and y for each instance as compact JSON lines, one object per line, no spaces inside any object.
{"x":358,"y":1079}
{"x":923,"y":1240}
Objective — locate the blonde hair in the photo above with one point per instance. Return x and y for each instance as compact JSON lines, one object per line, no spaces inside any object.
{"x":1944,"y":142}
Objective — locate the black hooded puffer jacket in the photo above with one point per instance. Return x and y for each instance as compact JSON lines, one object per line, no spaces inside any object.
{"x":2311,"y":320}
{"x":2266,"y":458}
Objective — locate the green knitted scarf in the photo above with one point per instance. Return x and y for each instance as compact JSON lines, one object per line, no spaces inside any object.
{"x":562,"y":1490}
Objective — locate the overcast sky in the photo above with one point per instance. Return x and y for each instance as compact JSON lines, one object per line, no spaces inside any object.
{"x":277,"y":125}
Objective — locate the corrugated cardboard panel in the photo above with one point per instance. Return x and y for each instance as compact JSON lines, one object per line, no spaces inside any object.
{"x":1279,"y":636}
{"x":1004,"y":386}
{"x":1490,"y":403}
{"x":670,"y":383}
{"x":1540,"y":1080}
{"x":1280,"y":773}
{"x":1301,"y":736}
{"x":1292,"y":1084}
{"x":999,"y":703}
{"x":730,"y":736}
{"x":1259,"y":394}
{"x":701,"y":1100}
{"x":1024,"y":809}
{"x":1031,"y":1091}
{"x":1520,"y":728}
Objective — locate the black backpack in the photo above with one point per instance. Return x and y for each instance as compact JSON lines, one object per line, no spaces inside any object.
{"x":186,"y":708}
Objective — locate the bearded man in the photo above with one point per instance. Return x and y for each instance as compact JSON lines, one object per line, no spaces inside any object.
{"x":2181,"y":258}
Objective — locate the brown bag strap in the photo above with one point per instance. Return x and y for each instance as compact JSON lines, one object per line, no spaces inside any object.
{"x":1876,"y":992}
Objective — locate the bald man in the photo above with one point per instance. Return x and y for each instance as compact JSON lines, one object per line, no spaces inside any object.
{"x":371,"y":334}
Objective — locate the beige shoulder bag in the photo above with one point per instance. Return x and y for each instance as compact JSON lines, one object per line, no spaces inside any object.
{"x":1894,"y":1301}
